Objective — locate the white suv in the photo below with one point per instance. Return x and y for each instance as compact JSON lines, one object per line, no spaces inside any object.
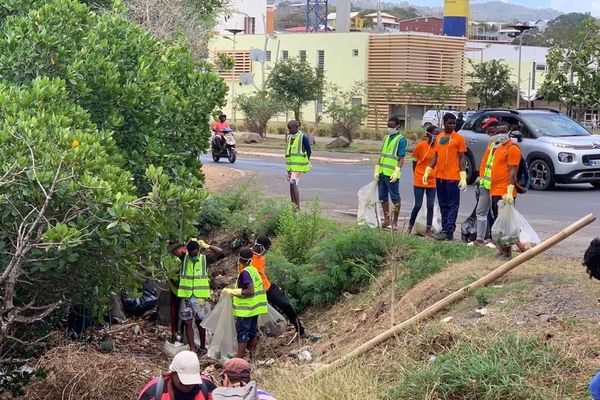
{"x":434,"y":117}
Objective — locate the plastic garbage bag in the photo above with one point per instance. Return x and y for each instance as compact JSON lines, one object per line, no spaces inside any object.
{"x":272,"y":324}
{"x":511,"y":228}
{"x":138,"y":306}
{"x":221,"y":323}
{"x":368,"y":203}
{"x":421,"y":222}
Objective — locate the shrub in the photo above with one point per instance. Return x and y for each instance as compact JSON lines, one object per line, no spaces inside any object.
{"x":258,"y":109}
{"x":506,"y":367}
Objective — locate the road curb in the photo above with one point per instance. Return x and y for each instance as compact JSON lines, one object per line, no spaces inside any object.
{"x":327,"y":160}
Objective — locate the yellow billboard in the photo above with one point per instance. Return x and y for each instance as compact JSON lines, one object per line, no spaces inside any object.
{"x":456,"y":8}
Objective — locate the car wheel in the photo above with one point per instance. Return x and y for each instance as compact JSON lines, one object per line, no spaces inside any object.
{"x":596,"y":185}
{"x":470,"y":169}
{"x":542,"y":175}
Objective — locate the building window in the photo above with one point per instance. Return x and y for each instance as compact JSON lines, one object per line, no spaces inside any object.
{"x":268,"y":55}
{"x":302,"y":55}
{"x":540,"y":67}
{"x":284,"y":54}
{"x":249,"y":25}
{"x":355,"y":52}
{"x":321,"y":59}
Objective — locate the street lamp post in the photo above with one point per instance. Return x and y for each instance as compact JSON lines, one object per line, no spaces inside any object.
{"x":518,"y":32}
{"x":233,"y":31}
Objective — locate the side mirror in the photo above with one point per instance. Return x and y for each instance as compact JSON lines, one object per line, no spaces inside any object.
{"x":517,"y":134}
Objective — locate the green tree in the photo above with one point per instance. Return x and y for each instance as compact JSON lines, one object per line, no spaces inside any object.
{"x":562,"y":30}
{"x":290,"y":20}
{"x":346,"y":112}
{"x":155,"y":97}
{"x":295,"y":83}
{"x":572,"y":76}
{"x":258,"y":109}
{"x":491,"y":83}
{"x":73,"y":228}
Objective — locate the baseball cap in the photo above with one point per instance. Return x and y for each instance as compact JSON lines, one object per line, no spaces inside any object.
{"x":237,"y":369}
{"x":488,"y":121}
{"x":187,"y":366}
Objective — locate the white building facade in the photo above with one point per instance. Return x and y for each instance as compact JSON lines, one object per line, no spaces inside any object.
{"x":248,"y":16}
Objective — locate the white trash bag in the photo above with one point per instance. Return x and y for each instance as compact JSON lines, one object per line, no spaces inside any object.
{"x":511,"y":228}
{"x":272,"y":324}
{"x":421,"y":222}
{"x":368,"y":203}
{"x":221,"y":323}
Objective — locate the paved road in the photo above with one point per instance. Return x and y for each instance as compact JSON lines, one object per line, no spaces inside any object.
{"x":336,"y":186}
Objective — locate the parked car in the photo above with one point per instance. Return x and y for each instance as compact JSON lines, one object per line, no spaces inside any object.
{"x":557,"y":148}
{"x":434,"y":117}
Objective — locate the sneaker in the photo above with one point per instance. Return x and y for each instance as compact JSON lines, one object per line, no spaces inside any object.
{"x":441,"y":236}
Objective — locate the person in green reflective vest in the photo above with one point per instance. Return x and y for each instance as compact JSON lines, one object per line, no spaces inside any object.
{"x":249,"y":301}
{"x":193,"y":290}
{"x":297,"y":158}
{"x":388,"y":172}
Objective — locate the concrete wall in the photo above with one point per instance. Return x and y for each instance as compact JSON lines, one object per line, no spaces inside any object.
{"x":241,"y":9}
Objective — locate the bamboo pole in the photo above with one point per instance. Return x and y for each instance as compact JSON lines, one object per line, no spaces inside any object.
{"x":461,"y":293}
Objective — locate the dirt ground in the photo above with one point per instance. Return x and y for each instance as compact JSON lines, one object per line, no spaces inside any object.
{"x":217,"y":177}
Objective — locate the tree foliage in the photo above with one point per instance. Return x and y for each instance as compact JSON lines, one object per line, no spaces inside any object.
{"x":258,"y":109}
{"x":346,"y":114}
{"x":295,"y":83}
{"x":491,"y":83}
{"x":154,"y":97}
{"x":72,"y":226}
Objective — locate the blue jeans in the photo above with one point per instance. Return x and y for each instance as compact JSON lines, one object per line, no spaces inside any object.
{"x":419,"y":193}
{"x":388,"y":189}
{"x":449,"y":199}
{"x":595,"y":387}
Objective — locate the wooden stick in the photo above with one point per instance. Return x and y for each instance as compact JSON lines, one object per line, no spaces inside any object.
{"x":461,"y":293}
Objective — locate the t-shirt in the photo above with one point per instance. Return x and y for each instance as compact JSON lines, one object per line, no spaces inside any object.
{"x":423,"y":153}
{"x":244,"y":280}
{"x":259,"y":262}
{"x":219,"y":126}
{"x":448,"y":147}
{"x":505,"y":156}
{"x":401,"y":145}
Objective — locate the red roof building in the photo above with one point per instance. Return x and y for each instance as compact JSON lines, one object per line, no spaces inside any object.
{"x":422,"y":24}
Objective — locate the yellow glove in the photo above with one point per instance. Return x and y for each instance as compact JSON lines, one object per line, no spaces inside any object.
{"x":508,"y":197}
{"x":232,"y":292}
{"x":426,"y":175}
{"x":462,"y":184}
{"x":203,"y":244}
{"x":396,"y":175}
{"x":376,"y":173}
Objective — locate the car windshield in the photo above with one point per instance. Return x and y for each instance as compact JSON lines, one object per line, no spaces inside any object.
{"x":554,"y":125}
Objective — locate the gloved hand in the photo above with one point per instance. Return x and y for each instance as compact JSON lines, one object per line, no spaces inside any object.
{"x":232,"y":292}
{"x":508,"y":197}
{"x":462,"y":184}
{"x":426,"y":175}
{"x":203,"y":244}
{"x":376,"y":173}
{"x":396,"y":175}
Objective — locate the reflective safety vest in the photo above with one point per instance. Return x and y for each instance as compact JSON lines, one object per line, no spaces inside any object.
{"x":295,"y":156}
{"x":486,"y":180}
{"x":193,"y":279}
{"x":251,"y":305}
{"x":388,"y":161}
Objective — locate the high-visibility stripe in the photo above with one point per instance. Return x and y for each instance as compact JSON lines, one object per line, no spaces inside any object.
{"x":388,"y":160}
{"x":256,"y":304}
{"x":296,"y":159}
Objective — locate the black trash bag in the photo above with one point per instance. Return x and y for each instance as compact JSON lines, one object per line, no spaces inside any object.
{"x":79,"y":320}
{"x":139,"y":306}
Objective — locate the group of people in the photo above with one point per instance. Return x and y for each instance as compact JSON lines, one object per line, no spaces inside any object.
{"x":190,"y":304}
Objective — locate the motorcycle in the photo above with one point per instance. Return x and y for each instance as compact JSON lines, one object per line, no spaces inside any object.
{"x":223,"y":145}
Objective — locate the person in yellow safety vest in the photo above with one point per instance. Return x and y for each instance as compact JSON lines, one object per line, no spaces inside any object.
{"x":297,"y":158}
{"x":389,"y":170}
{"x":249,"y":301}
{"x":194,"y":290}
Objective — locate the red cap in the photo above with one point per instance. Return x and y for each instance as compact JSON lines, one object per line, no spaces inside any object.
{"x":488,"y":121}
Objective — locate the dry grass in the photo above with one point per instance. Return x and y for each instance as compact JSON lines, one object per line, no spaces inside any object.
{"x":76,"y":372}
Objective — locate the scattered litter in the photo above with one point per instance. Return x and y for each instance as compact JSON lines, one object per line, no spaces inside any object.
{"x":313,"y":337}
{"x":497,"y":286}
{"x":266,"y":363}
{"x":432,"y":359}
{"x":482,"y":311}
{"x":171,"y":349}
{"x":305,"y":356}
{"x":298,"y":351}
{"x":315,"y":366}
{"x":447,"y":319}
{"x":347,"y":295}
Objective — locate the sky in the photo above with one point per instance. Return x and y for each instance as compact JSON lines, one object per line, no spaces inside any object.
{"x":592,"y":6}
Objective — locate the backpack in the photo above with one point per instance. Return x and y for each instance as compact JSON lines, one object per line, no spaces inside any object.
{"x":160,"y":384}
{"x":523,"y":177}
{"x":247,"y":392}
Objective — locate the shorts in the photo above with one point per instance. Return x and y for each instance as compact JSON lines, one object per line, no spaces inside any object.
{"x":294,"y":177}
{"x":388,"y":189}
{"x":193,"y":308}
{"x":246,"y":328}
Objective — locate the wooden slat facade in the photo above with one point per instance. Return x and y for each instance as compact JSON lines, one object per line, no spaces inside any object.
{"x":242,"y":64}
{"x":418,"y":58}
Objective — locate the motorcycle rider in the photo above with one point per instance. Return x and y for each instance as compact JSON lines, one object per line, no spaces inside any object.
{"x":219,"y":128}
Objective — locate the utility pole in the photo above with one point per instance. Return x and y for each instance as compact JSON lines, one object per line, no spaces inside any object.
{"x":518,"y":31}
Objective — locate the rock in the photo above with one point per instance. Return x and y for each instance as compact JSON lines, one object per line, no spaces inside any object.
{"x":107,"y":346}
{"x":338,"y":143}
{"x":305,"y":356}
{"x":251,"y":137}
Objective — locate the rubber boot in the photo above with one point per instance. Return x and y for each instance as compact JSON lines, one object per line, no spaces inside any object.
{"x":386,"y":214}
